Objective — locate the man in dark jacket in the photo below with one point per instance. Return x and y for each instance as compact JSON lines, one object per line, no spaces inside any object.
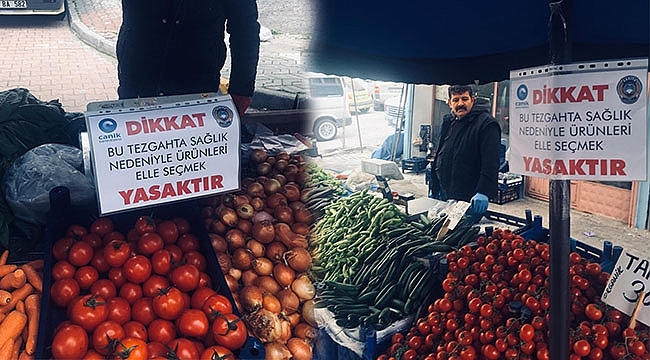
{"x":173,"y":47}
{"x":466,"y":164}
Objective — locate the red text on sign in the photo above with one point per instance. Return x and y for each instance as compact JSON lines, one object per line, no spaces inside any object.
{"x":164,"y":123}
{"x":587,"y":167}
{"x":169,"y":190}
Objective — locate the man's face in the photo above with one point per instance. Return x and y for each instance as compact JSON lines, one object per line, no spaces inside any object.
{"x":461,"y":104}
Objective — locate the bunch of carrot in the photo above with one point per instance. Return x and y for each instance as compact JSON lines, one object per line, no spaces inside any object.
{"x":21,"y":287}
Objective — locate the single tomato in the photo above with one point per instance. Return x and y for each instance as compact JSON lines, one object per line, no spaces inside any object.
{"x":70,"y":342}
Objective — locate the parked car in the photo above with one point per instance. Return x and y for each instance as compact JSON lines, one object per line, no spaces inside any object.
{"x":22,"y":7}
{"x":394,"y":109}
{"x":361,"y":101}
{"x":328,"y":106}
{"x":383,"y":90}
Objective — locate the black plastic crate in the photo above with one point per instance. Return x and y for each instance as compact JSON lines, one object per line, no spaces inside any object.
{"x":63,"y":216}
{"x":414,"y":164}
{"x":507,"y":193}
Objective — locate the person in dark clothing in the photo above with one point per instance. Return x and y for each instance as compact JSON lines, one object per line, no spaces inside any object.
{"x":173,"y":47}
{"x":466,"y":163}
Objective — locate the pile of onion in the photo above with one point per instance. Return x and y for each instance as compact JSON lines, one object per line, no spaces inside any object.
{"x":260,"y":237}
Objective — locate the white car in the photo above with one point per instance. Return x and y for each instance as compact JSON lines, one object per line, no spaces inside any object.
{"x":383,"y":90}
{"x":394,"y":109}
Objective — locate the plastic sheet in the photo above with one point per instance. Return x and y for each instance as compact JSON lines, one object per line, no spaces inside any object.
{"x":30,"y":178}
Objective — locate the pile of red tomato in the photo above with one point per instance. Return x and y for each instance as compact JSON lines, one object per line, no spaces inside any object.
{"x":140,"y":295}
{"x":496,"y":306}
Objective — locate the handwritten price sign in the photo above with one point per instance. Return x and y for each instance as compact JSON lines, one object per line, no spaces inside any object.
{"x":629,"y":281}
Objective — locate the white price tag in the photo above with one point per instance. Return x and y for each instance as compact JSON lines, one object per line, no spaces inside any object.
{"x":630,"y":279}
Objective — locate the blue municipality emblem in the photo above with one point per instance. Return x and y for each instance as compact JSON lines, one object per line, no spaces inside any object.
{"x":522,"y":92}
{"x":223,"y":115}
{"x":629,"y":89}
{"x":107,"y":125}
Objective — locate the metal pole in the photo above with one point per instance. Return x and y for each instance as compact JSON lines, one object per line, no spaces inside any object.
{"x":559,"y":211}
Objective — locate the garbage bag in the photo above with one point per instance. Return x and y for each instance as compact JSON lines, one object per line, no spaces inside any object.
{"x":30,"y":178}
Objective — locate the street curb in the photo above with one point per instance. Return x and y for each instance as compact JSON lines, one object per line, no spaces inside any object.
{"x":87,"y":35}
{"x":266,"y":99}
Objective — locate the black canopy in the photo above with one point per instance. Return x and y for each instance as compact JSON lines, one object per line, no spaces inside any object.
{"x":444,"y":42}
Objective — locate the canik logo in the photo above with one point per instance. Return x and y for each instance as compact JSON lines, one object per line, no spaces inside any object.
{"x":522,"y":92}
{"x":107,"y":125}
{"x":629,"y":89}
{"x":522,"y":95}
{"x":223,"y":115}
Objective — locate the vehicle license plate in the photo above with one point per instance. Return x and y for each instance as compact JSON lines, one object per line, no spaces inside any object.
{"x":13,"y":4}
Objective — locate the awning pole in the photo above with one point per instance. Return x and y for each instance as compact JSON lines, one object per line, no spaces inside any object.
{"x":559,"y":211}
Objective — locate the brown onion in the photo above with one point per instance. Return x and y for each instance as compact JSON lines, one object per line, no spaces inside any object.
{"x":251,"y":298}
{"x":281,"y":178}
{"x":289,"y":300}
{"x":305,"y":331}
{"x":307,"y":312}
{"x":225,"y":262}
{"x":275,"y":250}
{"x":267,"y":283}
{"x":283,"y":213}
{"x":303,"y":216}
{"x":272,"y":186}
{"x":258,"y":155}
{"x":298,"y":259}
{"x":283,"y":274}
{"x":276,"y":200}
{"x":258,"y":203}
{"x":235,"y":273}
{"x":219,"y":243}
{"x":295,"y":205}
{"x":217,"y":227}
{"x":236,"y":239}
{"x":267,"y":326}
{"x":299,"y":348}
{"x":248,"y":277}
{"x":228,"y":216}
{"x":262,"y":266}
{"x":263,"y":168}
{"x":271,"y":303}
{"x":300,"y":228}
{"x":263,"y":231}
{"x":303,"y":287}
{"x":262,"y":215}
{"x":242,"y":259}
{"x":276,"y":351}
{"x":245,"y":225}
{"x":280,"y":165}
{"x":283,"y":155}
{"x":255,"y":190}
{"x":245,"y":211}
{"x":241,"y":199}
{"x":291,"y":191}
{"x":257,"y":248}
{"x":233,"y":284}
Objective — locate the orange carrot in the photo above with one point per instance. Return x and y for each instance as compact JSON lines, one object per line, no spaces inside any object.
{"x":7,"y":269}
{"x":13,"y":280}
{"x":20,"y":306}
{"x":4,"y":257}
{"x":18,"y":343}
{"x":7,"y":348}
{"x":33,"y":277}
{"x":33,"y":308}
{"x":12,"y":325}
{"x":17,"y":295}
{"x":5,"y":297}
{"x":25,"y":356}
{"x":37,"y":264}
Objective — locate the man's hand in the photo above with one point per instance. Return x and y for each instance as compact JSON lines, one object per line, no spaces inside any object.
{"x":479,"y":203}
{"x":242,"y":103}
